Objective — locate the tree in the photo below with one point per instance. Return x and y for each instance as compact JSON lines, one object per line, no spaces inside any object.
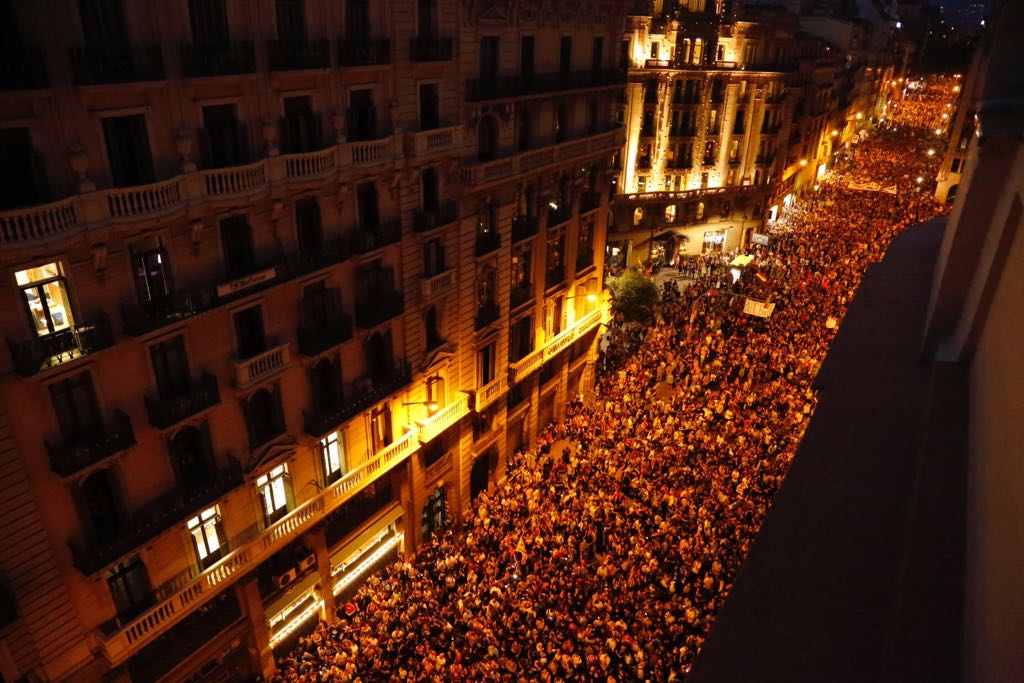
{"x":633,"y":295}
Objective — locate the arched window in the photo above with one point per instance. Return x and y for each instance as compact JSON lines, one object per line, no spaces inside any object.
{"x":670,"y":213}
{"x":487,"y":139}
{"x":638,"y":215}
{"x":700,"y":211}
{"x":698,"y":50}
{"x":686,"y":50}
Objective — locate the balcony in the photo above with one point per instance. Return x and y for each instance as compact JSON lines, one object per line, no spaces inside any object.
{"x":520,"y":369}
{"x":437,"y":285}
{"x":310,"y":165}
{"x":377,"y":306}
{"x":151,"y":315}
{"x":447,"y":212}
{"x":87,"y":450}
{"x":364,"y":51}
{"x":434,"y":141}
{"x":262,"y":366}
{"x":22,"y":68}
{"x":489,"y":393}
{"x":363,"y":241}
{"x":315,"y":340}
{"x":437,"y":423}
{"x":201,"y":394}
{"x":156,"y":517}
{"x":657,"y":64}
{"x":430,"y":49}
{"x":486,"y":242}
{"x":590,"y":201}
{"x":477,"y":175}
{"x":292,"y":55}
{"x":520,"y":294}
{"x":331,"y":252}
{"x":41,"y":353}
{"x":523,"y":227}
{"x":225,"y":58}
{"x":560,"y":215}
{"x":505,"y":87}
{"x":584,"y":259}
{"x":372,"y":152}
{"x":248,"y":553}
{"x":487,"y":314}
{"x":116,"y":63}
{"x":319,"y":423}
{"x":554,"y":277}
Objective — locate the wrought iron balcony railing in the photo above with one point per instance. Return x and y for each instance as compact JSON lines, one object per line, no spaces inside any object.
{"x":364,"y":51}
{"x":377,"y":306}
{"x":363,"y":240}
{"x":430,"y":49}
{"x":39,"y":353}
{"x":521,"y":85}
{"x":89,"y":449}
{"x":446,"y":213}
{"x":523,"y":227}
{"x":291,"y":55}
{"x":316,"y":340}
{"x":201,"y":394}
{"x":221,"y":58}
{"x":324,"y":421}
{"x":116,"y":63}
{"x":487,"y":314}
{"x":486,"y":242}
{"x":22,"y":68}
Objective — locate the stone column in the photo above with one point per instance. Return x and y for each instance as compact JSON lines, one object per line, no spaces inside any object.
{"x":261,"y":654}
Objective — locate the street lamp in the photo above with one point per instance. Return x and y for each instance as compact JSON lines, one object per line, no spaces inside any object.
{"x":432,"y":406}
{"x":931,"y":152}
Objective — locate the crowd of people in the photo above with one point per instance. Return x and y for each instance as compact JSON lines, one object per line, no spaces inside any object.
{"x":609,"y":549}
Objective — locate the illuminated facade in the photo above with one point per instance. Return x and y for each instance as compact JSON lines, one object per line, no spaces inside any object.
{"x":727,"y":111}
{"x":285,"y":287}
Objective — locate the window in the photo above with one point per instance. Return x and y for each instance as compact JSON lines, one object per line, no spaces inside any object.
{"x":357,"y":17}
{"x":483,"y":423}
{"x":263,"y":416}
{"x":435,"y":391}
{"x":555,"y":256}
{"x":431,"y":328}
{"x":151,"y":268}
{"x":380,"y":427}
{"x":74,"y":403}
{"x":362,"y":115}
{"x":522,"y":268}
{"x":332,"y":454}
{"x":308,"y":227}
{"x":291,"y":20}
{"x":127,"y":143}
{"x":192,"y":457}
{"x":129,"y":587}
{"x":103,"y":22}
{"x":430,"y":117}
{"x":222,"y":138}
{"x":170,"y":366}
{"x":325,"y":384}
{"x":22,"y":176}
{"x":520,"y":338}
{"x":485,"y":364}
{"x":585,"y":245}
{"x":273,"y":491}
{"x":526,"y":45}
{"x":525,"y":134}
{"x":207,"y":534}
{"x":237,"y":247}
{"x":489,"y":59}
{"x":433,"y":258}
{"x":554,"y":310}
{"x":45,"y":295}
{"x":101,"y":505}
{"x":597,"y":55}
{"x":565,"y":56}
{"x":209,"y":21}
{"x":955,"y":166}
{"x":429,"y":192}
{"x":368,"y":206}
{"x":487,"y":139}
{"x":561,"y":122}
{"x":249,"y":335}
{"x":300,"y":130}
{"x":425,"y":18}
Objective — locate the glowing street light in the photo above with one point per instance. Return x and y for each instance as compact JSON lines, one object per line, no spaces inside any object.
{"x":803,"y":162}
{"x":931,"y":152}
{"x":938,"y":131}
{"x":835,"y":133}
{"x":920,"y":180}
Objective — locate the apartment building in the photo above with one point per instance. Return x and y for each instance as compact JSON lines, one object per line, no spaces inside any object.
{"x":288,"y":282}
{"x":728,"y":110}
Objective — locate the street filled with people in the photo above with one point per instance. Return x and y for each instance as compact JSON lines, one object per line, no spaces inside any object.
{"x":609,"y":549}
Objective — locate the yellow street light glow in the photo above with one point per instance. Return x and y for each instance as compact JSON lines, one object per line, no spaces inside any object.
{"x":920,"y":179}
{"x":931,"y":152}
{"x":591,"y":298}
{"x":803,"y":162}
{"x":938,"y":131}
{"x":859,"y":116}
{"x":835,"y":133}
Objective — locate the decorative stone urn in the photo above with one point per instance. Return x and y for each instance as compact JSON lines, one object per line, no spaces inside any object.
{"x":183,"y":145}
{"x":80,"y":165}
{"x":269,"y":133}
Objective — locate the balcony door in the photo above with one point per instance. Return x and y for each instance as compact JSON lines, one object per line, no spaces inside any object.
{"x":249,"y":332}
{"x":488,"y":60}
{"x":362,"y":115}
{"x":101,"y":504}
{"x":208,"y":20}
{"x":103,"y":22}
{"x":291,"y":20}
{"x":236,"y":244}
{"x":357,"y":19}
{"x":151,"y":269}
{"x":300,"y":130}
{"x":380,"y":427}
{"x":368,"y":207}
{"x":74,"y":403}
{"x":379,"y":357}
{"x":308,"y":227}
{"x":429,"y":107}
{"x":170,"y":367}
{"x":191,"y":457}
{"x":325,"y":384}
{"x":430,"y":194}
{"x":130,"y":589}
{"x":565,"y":57}
{"x":22,"y":177}
{"x":222,"y":137}
{"x":127,"y":142}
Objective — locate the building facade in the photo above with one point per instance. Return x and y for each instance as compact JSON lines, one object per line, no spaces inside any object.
{"x":287,"y":283}
{"x":731,"y":111}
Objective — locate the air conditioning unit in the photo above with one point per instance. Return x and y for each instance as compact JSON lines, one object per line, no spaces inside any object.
{"x":286,"y":579}
{"x":307,"y":562}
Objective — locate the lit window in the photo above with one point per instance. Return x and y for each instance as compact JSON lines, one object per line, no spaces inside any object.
{"x":273,"y":496}
{"x":332,"y":450}
{"x":207,"y":535}
{"x":46,"y":298}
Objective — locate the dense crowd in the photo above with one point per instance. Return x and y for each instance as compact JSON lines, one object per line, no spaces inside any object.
{"x":608,"y":551}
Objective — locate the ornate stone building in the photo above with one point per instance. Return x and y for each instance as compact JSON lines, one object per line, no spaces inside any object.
{"x":728,"y":109}
{"x":287,"y":282}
